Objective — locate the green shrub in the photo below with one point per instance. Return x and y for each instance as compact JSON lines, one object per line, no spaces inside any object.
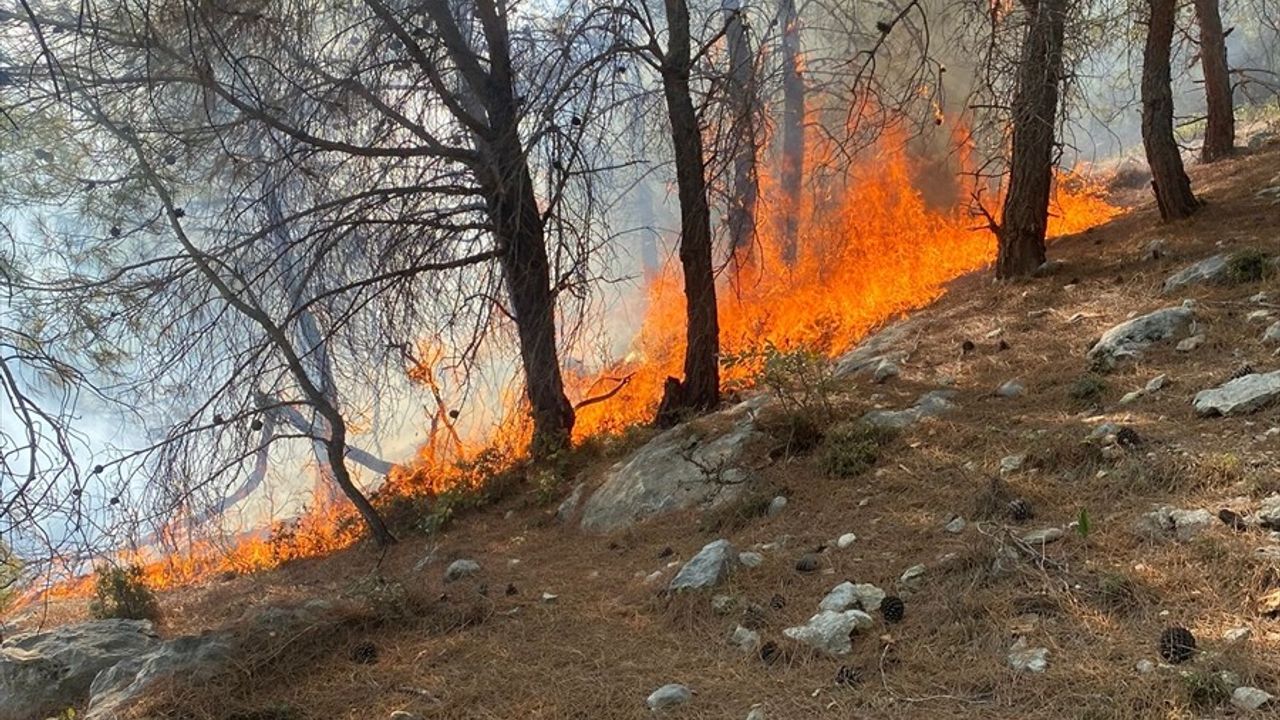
{"x":1087,"y":388}
{"x":1248,"y":265}
{"x":122,"y":592}
{"x":851,"y":448}
{"x":802,"y":380}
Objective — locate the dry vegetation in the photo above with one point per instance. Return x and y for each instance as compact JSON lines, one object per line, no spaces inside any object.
{"x":472,"y":650}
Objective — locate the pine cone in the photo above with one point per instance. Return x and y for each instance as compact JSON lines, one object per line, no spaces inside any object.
{"x":1177,"y":644}
{"x":770,"y":653}
{"x":1232,"y":519}
{"x":848,"y":676}
{"x":1020,"y":510}
{"x":893,"y":609}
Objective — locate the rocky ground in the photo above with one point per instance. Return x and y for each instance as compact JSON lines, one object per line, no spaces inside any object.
{"x":1009,"y":505}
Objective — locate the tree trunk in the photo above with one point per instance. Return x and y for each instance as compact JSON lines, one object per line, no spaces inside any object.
{"x":1025,"y":217}
{"x":742,"y":93}
{"x":1220,"y":132}
{"x":701,"y":387}
{"x":1168,"y":178}
{"x":792,"y":129}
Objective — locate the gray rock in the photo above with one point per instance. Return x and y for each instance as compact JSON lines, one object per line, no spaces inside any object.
{"x":1155,"y":250}
{"x":829,"y":631}
{"x":930,"y":404}
{"x":1012,"y":463}
{"x":750,"y":559}
{"x":44,"y":673}
{"x":852,"y":596}
{"x":757,"y":713}
{"x":1024,"y":658}
{"x":1250,"y":698}
{"x":744,"y":639}
{"x":845,"y":540}
{"x":1156,"y":383}
{"x":1011,"y":389}
{"x":667,"y":474}
{"x":911,"y":577}
{"x":1240,"y":396}
{"x":1171,"y":522}
{"x":1237,"y":635}
{"x":872,"y":350}
{"x":1144,"y":666}
{"x":956,"y":526}
{"x":708,"y":568}
{"x":461,"y":568}
{"x":885,"y":370}
{"x":776,"y":506}
{"x":569,"y":506}
{"x":1269,"y":512}
{"x":669,"y":696}
{"x":1190,"y":343}
{"x":723,"y":604}
{"x":1103,"y":431}
{"x":1043,"y":536}
{"x":194,"y":658}
{"x":1272,"y":333}
{"x":1212,"y":269}
{"x":1129,"y":338}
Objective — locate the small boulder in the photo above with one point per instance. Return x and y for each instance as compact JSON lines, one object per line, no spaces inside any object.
{"x":1250,"y":698}
{"x":776,"y":506}
{"x":744,"y":639}
{"x":930,"y":404}
{"x":1166,"y":522}
{"x":885,"y":370}
{"x":750,"y":559}
{"x":1189,"y":344}
{"x":848,"y":595}
{"x":569,"y":506}
{"x":1212,"y":269}
{"x":1237,"y":635}
{"x":911,"y":577}
{"x":669,"y":695}
{"x":708,"y":568}
{"x":461,"y":568}
{"x":1272,"y":333}
{"x":1012,"y":463}
{"x":846,"y":540}
{"x":1269,"y":512}
{"x":1043,"y":537}
{"x":956,"y":525}
{"x":1129,"y":338}
{"x":829,"y":631}
{"x":1240,"y":396}
{"x":1011,"y":389}
{"x":1024,"y":658}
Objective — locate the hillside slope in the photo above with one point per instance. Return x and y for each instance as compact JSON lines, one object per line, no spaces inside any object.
{"x":491,"y":646}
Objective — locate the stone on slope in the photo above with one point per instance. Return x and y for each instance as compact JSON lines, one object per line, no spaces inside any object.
{"x":1272,"y":333}
{"x":1171,"y":522}
{"x":930,"y":404}
{"x":193,"y":658}
{"x":829,"y":631}
{"x":565,"y":512}
{"x":1043,"y":536}
{"x":845,"y":540}
{"x":750,"y":559}
{"x":1250,"y":698}
{"x":44,"y":673}
{"x":1011,"y":389}
{"x":1269,"y":512}
{"x":873,"y":350}
{"x":744,"y":639}
{"x":1023,"y":657}
{"x":852,"y":596}
{"x":776,"y":506}
{"x":1129,"y":338}
{"x":669,"y":695}
{"x":1240,"y":396}
{"x":708,"y":568}
{"x":461,"y":568}
{"x":1212,"y":269}
{"x":668,"y":473}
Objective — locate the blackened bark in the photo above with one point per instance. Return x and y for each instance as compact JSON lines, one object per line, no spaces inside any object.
{"x":1025,"y":218}
{"x":792,"y":128}
{"x":701,"y":386}
{"x":742,"y":96}
{"x":512,"y":207}
{"x":1169,"y":179}
{"x":1220,"y":131}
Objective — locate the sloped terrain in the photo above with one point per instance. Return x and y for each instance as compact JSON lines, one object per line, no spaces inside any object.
{"x":1096,"y":599}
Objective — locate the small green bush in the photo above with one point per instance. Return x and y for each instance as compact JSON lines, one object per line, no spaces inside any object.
{"x":1247,"y":266}
{"x":122,"y":592}
{"x":1087,"y":388}
{"x":851,"y":448}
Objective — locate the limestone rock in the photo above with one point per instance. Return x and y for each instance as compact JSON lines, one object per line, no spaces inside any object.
{"x":43,"y":673}
{"x":885,"y":370}
{"x":669,"y":695}
{"x":1129,"y":338}
{"x":1212,"y":269}
{"x":744,"y":639}
{"x":848,"y":595}
{"x":846,"y":540}
{"x":1272,"y":333}
{"x":776,"y":506}
{"x":930,"y":404}
{"x":1240,"y":396}
{"x":569,"y":506}
{"x":708,"y":568}
{"x":193,"y":658}
{"x":874,"y":349}
{"x":1171,"y":522}
{"x":750,"y":559}
{"x":829,"y":631}
{"x":1024,"y":658}
{"x":667,"y":473}
{"x":461,"y":568}
{"x":1250,"y":698}
{"x":1012,"y":463}
{"x":1043,"y":536}
{"x":1269,"y":512}
{"x":1189,"y":344}
{"x":1011,"y":389}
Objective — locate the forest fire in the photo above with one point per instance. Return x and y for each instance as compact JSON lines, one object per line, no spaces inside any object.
{"x":870,"y":252}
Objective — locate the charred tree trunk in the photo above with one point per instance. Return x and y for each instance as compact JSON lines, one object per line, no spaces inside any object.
{"x":1168,"y":177}
{"x":1025,"y":218}
{"x":700,"y":389}
{"x":1220,"y":132}
{"x":742,"y":91}
{"x":503,"y":173}
{"x":792,"y":129}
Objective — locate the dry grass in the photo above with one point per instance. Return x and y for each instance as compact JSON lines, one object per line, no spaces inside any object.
{"x":1098,"y":603}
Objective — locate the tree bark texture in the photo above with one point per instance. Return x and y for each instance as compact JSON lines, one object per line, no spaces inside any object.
{"x":742,"y":94}
{"x":1169,"y":179}
{"x":1025,"y":218}
{"x":792,"y":129}
{"x":1220,"y":131}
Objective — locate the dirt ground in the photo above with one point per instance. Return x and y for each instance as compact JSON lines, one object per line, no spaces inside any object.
{"x":1098,"y":603}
